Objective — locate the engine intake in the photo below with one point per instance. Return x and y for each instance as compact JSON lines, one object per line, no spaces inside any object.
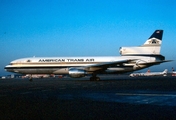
{"x":76,"y":73}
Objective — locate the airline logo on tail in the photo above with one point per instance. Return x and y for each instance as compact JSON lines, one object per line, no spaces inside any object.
{"x":155,"y":38}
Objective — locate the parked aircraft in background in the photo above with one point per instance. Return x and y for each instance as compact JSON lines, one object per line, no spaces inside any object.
{"x":37,"y":76}
{"x":131,"y":59}
{"x":148,"y":73}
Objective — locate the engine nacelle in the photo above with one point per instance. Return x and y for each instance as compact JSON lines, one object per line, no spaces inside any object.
{"x":140,"y":64}
{"x":76,"y":73}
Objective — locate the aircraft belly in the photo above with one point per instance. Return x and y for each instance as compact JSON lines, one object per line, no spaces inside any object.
{"x":35,"y":71}
{"x":61,"y":71}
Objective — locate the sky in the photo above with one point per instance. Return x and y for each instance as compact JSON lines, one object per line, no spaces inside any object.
{"x":56,"y":28}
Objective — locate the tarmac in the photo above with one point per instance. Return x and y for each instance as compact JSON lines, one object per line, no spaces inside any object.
{"x":114,"y":97}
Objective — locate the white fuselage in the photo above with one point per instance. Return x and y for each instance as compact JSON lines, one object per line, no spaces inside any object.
{"x":61,"y":65}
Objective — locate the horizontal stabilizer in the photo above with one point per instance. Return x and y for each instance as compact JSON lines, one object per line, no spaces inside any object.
{"x":154,"y":63}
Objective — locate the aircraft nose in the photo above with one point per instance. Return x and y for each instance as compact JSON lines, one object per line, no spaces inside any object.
{"x":7,"y":68}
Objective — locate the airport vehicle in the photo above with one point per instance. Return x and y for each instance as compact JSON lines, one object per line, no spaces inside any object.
{"x":148,"y":73}
{"x":131,"y":59}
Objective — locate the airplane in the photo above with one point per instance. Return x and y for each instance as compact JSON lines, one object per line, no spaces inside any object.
{"x":131,"y":59}
{"x":37,"y":76}
{"x":148,"y":73}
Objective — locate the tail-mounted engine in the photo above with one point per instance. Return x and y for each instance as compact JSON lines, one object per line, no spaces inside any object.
{"x":141,"y":50}
{"x":140,"y":64}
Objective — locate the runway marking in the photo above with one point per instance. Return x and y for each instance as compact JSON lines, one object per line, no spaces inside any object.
{"x":144,"y":94}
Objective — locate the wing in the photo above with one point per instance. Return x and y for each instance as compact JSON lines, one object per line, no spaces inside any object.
{"x":103,"y":66}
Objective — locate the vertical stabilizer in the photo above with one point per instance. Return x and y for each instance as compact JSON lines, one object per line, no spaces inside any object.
{"x":155,"y":39}
{"x":152,"y":46}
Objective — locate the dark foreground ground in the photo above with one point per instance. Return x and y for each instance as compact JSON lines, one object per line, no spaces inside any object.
{"x":112,"y":98}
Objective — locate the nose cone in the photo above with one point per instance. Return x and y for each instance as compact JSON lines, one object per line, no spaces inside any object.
{"x":8,"y":68}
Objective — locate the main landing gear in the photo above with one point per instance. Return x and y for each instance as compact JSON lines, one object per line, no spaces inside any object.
{"x":94,"y":78}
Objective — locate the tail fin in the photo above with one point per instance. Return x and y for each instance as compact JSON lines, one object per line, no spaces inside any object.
{"x":150,"y":47}
{"x":155,"y":39}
